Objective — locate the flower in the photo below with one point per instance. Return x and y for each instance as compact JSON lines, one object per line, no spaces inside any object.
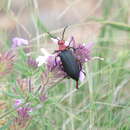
{"x":23,"y":116}
{"x":6,"y":63}
{"x":16,"y":42}
{"x":24,"y":112}
{"x":18,"y":102}
{"x":83,"y":52}
{"x":42,"y":59}
{"x":22,"y":120}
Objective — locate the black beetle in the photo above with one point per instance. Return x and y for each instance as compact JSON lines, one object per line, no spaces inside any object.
{"x":70,"y":65}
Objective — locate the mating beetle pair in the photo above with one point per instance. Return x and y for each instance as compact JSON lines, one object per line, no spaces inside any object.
{"x":71,"y":66}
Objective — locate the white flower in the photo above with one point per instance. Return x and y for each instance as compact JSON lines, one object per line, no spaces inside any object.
{"x":42,"y":59}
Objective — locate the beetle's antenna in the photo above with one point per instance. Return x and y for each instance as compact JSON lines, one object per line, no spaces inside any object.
{"x":64,"y":32}
{"x":52,"y":36}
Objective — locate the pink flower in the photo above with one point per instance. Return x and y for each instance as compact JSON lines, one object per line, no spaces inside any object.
{"x":18,"y":102}
{"x":23,"y":112}
{"x":16,"y":42}
{"x":23,"y":115}
{"x":83,"y":52}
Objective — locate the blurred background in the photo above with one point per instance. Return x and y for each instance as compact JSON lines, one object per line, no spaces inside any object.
{"x":21,"y":18}
{"x":103,"y":101}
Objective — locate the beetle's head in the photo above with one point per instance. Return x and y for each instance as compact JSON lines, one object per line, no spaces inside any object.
{"x":61,"y":42}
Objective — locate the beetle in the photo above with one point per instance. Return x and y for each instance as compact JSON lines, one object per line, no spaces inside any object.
{"x":69,"y":62}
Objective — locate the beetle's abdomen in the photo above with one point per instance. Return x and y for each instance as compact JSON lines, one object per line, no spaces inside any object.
{"x":70,"y":65}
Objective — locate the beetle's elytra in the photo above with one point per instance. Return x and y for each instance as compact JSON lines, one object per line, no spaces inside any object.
{"x":70,"y":65}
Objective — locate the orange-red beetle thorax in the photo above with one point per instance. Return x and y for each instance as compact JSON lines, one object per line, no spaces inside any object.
{"x":61,"y":44}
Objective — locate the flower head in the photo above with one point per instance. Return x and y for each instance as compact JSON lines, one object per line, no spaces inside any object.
{"x":83,"y":52}
{"x":23,"y":116}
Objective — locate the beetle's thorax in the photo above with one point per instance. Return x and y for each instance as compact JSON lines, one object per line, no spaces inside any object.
{"x":61,"y":44}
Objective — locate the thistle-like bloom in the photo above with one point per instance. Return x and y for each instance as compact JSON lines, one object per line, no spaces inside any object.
{"x":16,"y":42}
{"x":83,"y":52}
{"x":6,"y":63}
